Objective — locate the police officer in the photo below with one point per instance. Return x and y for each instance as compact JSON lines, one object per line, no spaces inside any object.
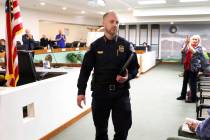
{"x":107,"y":55}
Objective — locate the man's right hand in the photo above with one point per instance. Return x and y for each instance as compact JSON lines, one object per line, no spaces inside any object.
{"x":80,"y":98}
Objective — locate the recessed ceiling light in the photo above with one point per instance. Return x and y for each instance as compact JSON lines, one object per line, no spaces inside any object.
{"x":148,"y":2}
{"x":64,"y":8}
{"x":42,"y":3}
{"x":193,"y":0}
{"x":82,"y":12}
{"x":129,"y":9}
{"x":101,"y":3}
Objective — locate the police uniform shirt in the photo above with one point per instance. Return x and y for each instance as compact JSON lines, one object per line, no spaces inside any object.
{"x":107,"y":57}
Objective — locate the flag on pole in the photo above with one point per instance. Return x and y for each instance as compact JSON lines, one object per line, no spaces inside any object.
{"x":13,"y":27}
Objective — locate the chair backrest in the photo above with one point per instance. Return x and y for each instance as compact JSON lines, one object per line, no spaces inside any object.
{"x":75,"y":43}
{"x":82,"y":44}
{"x":27,"y":71}
{"x":68,"y":45}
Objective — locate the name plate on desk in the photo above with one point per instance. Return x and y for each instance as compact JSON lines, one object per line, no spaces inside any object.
{"x":63,"y":49}
{"x":77,"y":49}
{"x":49,"y":50}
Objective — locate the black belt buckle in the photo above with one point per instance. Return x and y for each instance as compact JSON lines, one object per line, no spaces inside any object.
{"x":112,"y":87}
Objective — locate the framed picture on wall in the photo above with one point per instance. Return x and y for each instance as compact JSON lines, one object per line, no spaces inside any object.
{"x":66,"y":31}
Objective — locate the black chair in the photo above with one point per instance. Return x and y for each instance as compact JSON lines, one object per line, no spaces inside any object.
{"x":37,"y":46}
{"x":2,"y":48}
{"x":140,"y":48}
{"x":27,"y":71}
{"x":82,"y":44}
{"x":68,"y":45}
{"x":203,"y":95}
{"x":75,"y":44}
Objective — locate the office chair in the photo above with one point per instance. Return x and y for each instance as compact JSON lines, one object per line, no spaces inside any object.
{"x":68,"y":45}
{"x":82,"y":44}
{"x":75,"y":44}
{"x":27,"y":72}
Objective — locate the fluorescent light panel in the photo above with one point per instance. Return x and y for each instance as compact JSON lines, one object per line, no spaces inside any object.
{"x":64,"y":8}
{"x":193,"y":0}
{"x":42,"y":3}
{"x":83,"y":12}
{"x":150,"y":2}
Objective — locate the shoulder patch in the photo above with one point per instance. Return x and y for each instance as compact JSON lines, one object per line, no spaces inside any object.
{"x":131,"y":48}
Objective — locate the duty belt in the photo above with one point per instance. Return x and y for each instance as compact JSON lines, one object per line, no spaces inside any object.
{"x":109,"y":87}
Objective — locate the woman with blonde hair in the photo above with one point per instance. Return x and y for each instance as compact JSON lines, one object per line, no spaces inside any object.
{"x":194,"y":61}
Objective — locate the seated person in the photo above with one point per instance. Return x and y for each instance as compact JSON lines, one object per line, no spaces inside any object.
{"x":52,"y":43}
{"x":44,"y":41}
{"x":2,"y":45}
{"x":201,"y":129}
{"x":28,"y":40}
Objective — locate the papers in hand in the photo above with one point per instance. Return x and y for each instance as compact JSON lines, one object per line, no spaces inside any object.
{"x":188,"y":121}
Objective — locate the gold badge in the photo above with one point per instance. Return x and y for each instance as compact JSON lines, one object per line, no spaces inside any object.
{"x":121,"y":48}
{"x":100,"y":52}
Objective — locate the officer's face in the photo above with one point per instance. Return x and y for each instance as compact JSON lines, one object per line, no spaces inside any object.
{"x":110,"y":24}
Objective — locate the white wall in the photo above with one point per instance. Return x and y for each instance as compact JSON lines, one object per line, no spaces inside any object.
{"x":171,"y":43}
{"x":31,"y":20}
{"x":76,"y":32}
{"x":54,"y":105}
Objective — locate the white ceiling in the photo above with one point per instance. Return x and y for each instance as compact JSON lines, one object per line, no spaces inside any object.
{"x":74,"y":7}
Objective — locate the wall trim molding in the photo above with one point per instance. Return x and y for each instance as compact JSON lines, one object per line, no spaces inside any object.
{"x":66,"y":125}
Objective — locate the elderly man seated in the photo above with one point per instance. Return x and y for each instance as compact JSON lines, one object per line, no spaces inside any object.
{"x":201,"y":129}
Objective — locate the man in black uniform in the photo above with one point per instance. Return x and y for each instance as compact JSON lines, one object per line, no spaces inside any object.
{"x":107,"y":55}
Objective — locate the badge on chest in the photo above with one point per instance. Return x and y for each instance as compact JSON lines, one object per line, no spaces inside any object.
{"x":121,"y":48}
{"x":100,"y":52}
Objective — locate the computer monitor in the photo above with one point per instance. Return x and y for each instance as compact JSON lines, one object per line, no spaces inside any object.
{"x":27,"y":71}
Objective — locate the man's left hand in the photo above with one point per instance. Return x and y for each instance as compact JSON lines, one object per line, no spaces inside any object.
{"x":122,"y":79}
{"x":192,"y":126}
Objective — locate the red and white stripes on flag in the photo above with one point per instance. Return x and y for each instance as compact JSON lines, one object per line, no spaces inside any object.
{"x":13,"y":27}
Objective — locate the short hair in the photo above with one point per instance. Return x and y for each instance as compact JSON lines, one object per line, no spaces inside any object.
{"x":196,"y":36}
{"x":107,"y":13}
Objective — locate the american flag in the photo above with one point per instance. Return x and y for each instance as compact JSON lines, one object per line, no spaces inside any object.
{"x":13,"y":27}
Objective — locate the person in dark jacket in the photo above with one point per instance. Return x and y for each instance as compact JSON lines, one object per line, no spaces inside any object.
{"x":28,"y":40}
{"x":107,"y":55}
{"x":44,"y":41}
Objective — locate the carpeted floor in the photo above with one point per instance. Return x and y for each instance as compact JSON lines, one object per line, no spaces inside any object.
{"x":156,"y":112}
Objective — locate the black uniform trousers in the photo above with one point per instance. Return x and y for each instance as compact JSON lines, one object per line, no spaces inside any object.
{"x":190,"y":77}
{"x":117,"y":103}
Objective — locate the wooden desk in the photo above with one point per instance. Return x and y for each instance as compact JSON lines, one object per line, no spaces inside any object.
{"x":139,"y":51}
{"x":43,"y":51}
{"x":2,"y":54}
